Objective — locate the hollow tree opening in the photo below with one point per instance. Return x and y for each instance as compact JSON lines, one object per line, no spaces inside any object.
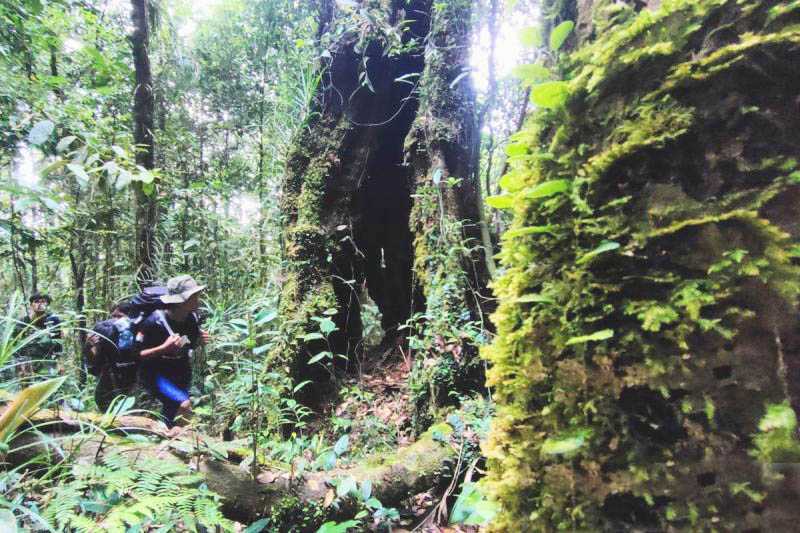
{"x":386,"y":131}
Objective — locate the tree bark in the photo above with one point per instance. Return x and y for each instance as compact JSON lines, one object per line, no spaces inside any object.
{"x":143,"y":112}
{"x":382,"y":129}
{"x":648,"y":315}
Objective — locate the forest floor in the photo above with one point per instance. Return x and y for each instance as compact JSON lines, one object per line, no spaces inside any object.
{"x":377,"y":403}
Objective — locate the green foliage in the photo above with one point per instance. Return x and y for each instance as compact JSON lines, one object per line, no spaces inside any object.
{"x":123,"y":492}
{"x":550,"y":94}
{"x":472,"y":508}
{"x":531,"y":36}
{"x":24,"y":404}
{"x":338,"y":527}
{"x":776,"y":440}
{"x":559,"y":35}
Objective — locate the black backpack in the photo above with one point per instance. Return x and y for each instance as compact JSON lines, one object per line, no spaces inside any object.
{"x":146,"y":302}
{"x":113,"y":347}
{"x":114,"y":338}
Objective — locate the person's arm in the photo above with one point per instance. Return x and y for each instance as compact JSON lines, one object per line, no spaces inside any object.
{"x":168,"y":347}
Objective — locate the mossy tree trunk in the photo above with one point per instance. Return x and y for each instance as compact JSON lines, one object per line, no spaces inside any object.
{"x":366,"y":185}
{"x":648,"y":313}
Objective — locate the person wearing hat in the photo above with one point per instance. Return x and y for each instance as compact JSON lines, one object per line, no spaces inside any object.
{"x":166,"y":340}
{"x":42,"y":333}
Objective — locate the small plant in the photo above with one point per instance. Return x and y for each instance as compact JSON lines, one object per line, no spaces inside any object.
{"x":348,"y":488}
{"x":326,"y":327}
{"x":776,"y":440}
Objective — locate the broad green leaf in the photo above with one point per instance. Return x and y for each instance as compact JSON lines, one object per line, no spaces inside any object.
{"x":313,"y":336}
{"x":366,"y":489}
{"x":601,"y":335}
{"x":567,"y":444}
{"x":110,"y":167}
{"x":338,"y":527}
{"x":482,"y":513}
{"x":319,"y":357}
{"x":25,"y":403}
{"x":532,"y":74}
{"x":560,"y":34}
{"x":55,"y":166}
{"x":500,"y":201}
{"x":124,"y":178}
{"x":327,"y":460}
{"x":265,"y":316}
{"x":513,"y":181}
{"x":605,"y":246}
{"x":79,"y":172}
{"x":64,"y":143}
{"x":300,"y":386}
{"x":531,"y":36}
{"x":550,"y":94}
{"x":346,"y":486}
{"x":516,"y":149}
{"x":373,"y":503}
{"x":40,"y":132}
{"x":8,"y":522}
{"x":547,"y":188}
{"x":49,"y":203}
{"x":327,"y":326}
{"x":472,"y":508}
{"x":533,"y":299}
{"x":257,"y":526}
{"x":145,"y":176}
{"x":529,"y":230}
{"x":341,"y":445}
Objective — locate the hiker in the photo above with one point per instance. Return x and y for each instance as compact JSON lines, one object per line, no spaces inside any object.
{"x":166,"y":340}
{"x":42,"y":330}
{"x":110,"y":354}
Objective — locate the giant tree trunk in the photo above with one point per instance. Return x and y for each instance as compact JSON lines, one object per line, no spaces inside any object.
{"x":143,"y":111}
{"x":648,"y":311}
{"x":366,"y":199}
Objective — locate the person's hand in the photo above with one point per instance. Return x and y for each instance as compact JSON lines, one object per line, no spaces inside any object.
{"x":205,"y":337}
{"x":172,"y":345}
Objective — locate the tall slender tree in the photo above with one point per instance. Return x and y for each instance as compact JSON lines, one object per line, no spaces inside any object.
{"x":143,"y":120}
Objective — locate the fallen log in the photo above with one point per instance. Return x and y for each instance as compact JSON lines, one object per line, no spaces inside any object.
{"x":393,"y":475}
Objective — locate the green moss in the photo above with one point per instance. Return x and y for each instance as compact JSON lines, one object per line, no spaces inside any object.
{"x":659,"y":350}
{"x":723,"y":60}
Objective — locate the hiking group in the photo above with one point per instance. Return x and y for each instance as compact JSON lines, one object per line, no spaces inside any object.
{"x":148,"y":341}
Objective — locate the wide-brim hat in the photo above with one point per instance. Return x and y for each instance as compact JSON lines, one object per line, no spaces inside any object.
{"x":180,"y":289}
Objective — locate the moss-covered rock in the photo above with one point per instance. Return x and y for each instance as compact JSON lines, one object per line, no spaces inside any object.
{"x":648,"y":310}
